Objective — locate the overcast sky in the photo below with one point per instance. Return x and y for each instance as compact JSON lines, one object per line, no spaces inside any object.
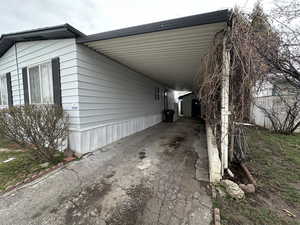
{"x":94,"y":16}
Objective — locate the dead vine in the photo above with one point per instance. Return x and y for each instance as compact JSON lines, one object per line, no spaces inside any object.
{"x":244,"y":39}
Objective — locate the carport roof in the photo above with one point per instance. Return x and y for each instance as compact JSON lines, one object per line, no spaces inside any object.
{"x":167,"y":51}
{"x":199,"y":19}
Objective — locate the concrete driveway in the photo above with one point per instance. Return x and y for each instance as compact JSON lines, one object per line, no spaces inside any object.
{"x":157,"y":176}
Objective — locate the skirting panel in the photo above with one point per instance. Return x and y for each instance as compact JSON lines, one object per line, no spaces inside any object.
{"x":88,"y":140}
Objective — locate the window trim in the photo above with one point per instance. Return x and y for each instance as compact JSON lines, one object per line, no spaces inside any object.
{"x":40,"y":76}
{"x":3,"y":76}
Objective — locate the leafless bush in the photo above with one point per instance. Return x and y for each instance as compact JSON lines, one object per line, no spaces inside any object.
{"x":282,"y":110}
{"x":42,"y":127}
{"x":281,"y":55}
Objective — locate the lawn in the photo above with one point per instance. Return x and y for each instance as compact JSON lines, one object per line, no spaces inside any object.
{"x":275,"y":163}
{"x":18,"y":169}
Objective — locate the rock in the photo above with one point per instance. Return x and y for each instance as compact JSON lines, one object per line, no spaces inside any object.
{"x":44,"y":165}
{"x":233,"y":189}
{"x":220,"y":192}
{"x":248,"y":188}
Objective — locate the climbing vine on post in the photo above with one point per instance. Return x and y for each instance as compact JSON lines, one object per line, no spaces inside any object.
{"x":244,"y":37}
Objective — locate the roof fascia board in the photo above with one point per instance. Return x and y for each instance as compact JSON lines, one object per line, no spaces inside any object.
{"x":64,"y":27}
{"x":48,"y":33}
{"x":189,"y":21}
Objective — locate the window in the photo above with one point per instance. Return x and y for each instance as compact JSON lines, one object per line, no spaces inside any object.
{"x":3,"y":90}
{"x":156,"y":93}
{"x":40,"y":84}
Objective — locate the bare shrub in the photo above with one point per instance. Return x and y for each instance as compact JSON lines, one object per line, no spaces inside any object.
{"x":43,"y":127}
{"x":282,"y":110}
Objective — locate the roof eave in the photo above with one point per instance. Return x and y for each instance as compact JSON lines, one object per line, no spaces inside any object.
{"x":47,"y":33}
{"x":189,"y":21}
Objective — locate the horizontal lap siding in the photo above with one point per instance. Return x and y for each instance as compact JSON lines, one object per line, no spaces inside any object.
{"x":104,"y":99}
{"x":8,"y":65}
{"x":36,"y":52}
{"x":110,"y":92}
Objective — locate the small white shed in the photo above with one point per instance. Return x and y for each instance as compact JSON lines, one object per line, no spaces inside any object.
{"x":189,"y":105}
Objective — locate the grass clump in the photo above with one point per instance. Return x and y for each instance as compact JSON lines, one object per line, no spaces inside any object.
{"x":275,"y":164}
{"x":22,"y":166}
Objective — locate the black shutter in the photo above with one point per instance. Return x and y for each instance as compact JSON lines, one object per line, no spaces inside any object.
{"x":56,"y":81}
{"x":25,"y":85}
{"x":9,"y":90}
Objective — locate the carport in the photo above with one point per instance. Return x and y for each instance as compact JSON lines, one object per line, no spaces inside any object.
{"x":170,"y":52}
{"x":167,"y":51}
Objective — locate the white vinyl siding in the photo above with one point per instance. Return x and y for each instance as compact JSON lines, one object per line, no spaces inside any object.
{"x":104,"y":99}
{"x":38,"y":52}
{"x":110,"y":92}
{"x":114,"y":101}
{"x":3,"y":91}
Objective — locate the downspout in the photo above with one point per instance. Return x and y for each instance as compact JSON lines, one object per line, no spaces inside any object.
{"x":17,"y":64}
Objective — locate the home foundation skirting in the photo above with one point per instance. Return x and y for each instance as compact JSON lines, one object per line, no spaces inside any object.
{"x":92,"y":138}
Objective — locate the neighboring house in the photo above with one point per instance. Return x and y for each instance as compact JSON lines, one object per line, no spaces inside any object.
{"x":112,"y":84}
{"x":268,"y":98}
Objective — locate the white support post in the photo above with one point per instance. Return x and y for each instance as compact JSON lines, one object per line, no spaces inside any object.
{"x":215,"y":164}
{"x":225,"y":106}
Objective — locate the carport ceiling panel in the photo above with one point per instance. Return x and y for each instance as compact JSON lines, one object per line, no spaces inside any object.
{"x":171,"y":57}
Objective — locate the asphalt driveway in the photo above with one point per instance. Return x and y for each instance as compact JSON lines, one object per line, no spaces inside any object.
{"x":157,"y":176}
